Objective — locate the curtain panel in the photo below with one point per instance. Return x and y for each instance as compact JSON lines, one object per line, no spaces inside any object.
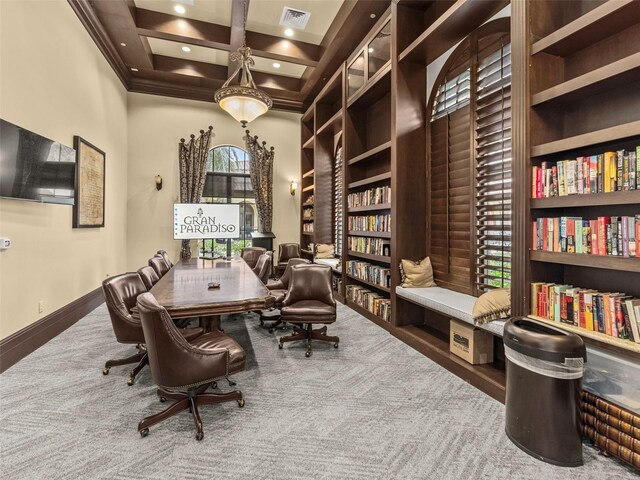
{"x":193,"y":173}
{"x":261,"y":173}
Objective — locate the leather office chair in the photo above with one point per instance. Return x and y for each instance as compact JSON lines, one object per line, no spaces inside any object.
{"x":184,"y":370}
{"x":165,"y":256}
{"x":251,"y":255}
{"x":159,"y":265}
{"x":263,"y":268}
{"x":149,"y":276}
{"x":286,"y":251}
{"x":308,"y":302}
{"x":278,"y":290}
{"x":120,"y":294}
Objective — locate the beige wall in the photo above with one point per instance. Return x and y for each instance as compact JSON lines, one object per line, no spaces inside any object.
{"x":55,"y":82}
{"x":156,"y":125}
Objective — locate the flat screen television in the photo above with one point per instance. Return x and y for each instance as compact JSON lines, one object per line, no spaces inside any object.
{"x":35,"y":168}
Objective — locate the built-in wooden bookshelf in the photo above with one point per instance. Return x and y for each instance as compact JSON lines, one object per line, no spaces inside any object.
{"x":584,"y":81}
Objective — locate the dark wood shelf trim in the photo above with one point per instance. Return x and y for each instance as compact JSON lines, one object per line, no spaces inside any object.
{"x":309,"y":143}
{"x":309,"y":188}
{"x":370,"y":153}
{"x":309,"y":234}
{"x":374,"y":88}
{"x":610,"y":134}
{"x":369,"y":180}
{"x":308,"y":115}
{"x":369,"y":208}
{"x":597,"y":338}
{"x":370,"y":256}
{"x":370,"y":284}
{"x":588,"y":200}
{"x":309,"y":173}
{"x":307,"y":204}
{"x":334,"y":83}
{"x":334,"y":121}
{"x":367,"y":314}
{"x":592,"y":81}
{"x":452,"y":26}
{"x":608,"y":262}
{"x":590,"y":28}
{"x":357,"y":233}
{"x":487,"y":378}
{"x":307,"y":219}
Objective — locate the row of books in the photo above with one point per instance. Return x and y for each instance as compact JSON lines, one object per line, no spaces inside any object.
{"x":606,"y":172}
{"x":309,"y":200}
{"x":370,"y":301}
{"x":373,"y":246}
{"x":369,"y":272}
{"x":307,"y":227}
{"x":614,"y":314}
{"x":373,"y":196}
{"x":616,"y":236}
{"x":370,"y":223}
{"x":307,"y":213}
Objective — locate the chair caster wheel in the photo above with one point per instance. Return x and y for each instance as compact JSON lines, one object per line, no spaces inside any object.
{"x":105,"y":371}
{"x":214,"y":385}
{"x":262,"y":323}
{"x":307,"y":354}
{"x":271,"y":330}
{"x":163,"y":399}
{"x":199,"y":436}
{"x":280,"y":346}
{"x":144,"y":432}
{"x":241,"y":402}
{"x":335,"y":345}
{"x":131,"y":381}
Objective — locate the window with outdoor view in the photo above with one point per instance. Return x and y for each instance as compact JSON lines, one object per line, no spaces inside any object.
{"x":228,"y":181}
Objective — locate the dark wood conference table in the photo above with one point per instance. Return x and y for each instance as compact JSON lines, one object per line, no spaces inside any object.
{"x":184,"y":291}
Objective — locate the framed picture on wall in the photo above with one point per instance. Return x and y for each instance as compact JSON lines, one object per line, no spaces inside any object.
{"x":88,"y":211}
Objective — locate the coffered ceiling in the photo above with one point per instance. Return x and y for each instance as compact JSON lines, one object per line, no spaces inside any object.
{"x":156,"y":49}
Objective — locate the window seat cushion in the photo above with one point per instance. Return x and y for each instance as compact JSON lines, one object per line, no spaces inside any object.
{"x":448,"y":302}
{"x":331,"y":262}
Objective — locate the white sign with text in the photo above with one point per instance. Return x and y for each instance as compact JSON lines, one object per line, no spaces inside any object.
{"x":205,"y":220}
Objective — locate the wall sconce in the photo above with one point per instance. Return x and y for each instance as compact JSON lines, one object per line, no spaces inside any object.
{"x":293,"y":186}
{"x":158,"y":182}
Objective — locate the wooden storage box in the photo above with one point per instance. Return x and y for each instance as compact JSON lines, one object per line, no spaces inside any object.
{"x":470,"y":343}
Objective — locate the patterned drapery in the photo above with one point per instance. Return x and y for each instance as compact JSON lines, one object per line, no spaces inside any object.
{"x":261,"y":172}
{"x":193,"y":173}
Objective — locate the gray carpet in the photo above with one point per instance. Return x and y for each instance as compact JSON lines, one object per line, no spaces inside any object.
{"x":373,"y":409}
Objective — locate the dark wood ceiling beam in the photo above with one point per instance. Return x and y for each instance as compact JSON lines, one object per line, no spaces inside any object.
{"x":118,"y":21}
{"x":278,"y":85}
{"x":195,"y":32}
{"x":351,"y":25}
{"x":239,"y":9}
{"x":98,"y":33}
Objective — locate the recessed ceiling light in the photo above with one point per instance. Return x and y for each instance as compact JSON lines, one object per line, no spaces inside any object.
{"x":179,"y":9}
{"x":123,"y":44}
{"x":370,"y":49}
{"x":186,"y":49}
{"x":288,"y":32}
{"x":276,"y":65}
{"x":373,"y":15}
{"x":134,"y":69}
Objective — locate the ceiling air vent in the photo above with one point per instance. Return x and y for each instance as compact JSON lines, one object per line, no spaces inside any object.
{"x":294,"y":18}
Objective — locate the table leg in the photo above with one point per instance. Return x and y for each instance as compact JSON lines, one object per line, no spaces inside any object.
{"x":210,"y":323}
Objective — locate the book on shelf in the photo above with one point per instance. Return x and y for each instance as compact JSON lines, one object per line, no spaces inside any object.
{"x":369,"y":223}
{"x":370,"y":245}
{"x":611,"y":313}
{"x":368,"y":272}
{"x":370,"y":301}
{"x":606,"y":172}
{"x":372,"y":196}
{"x":606,"y":236}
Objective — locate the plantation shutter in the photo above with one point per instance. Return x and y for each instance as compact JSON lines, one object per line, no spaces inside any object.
{"x":337,"y":202}
{"x":450,"y":217}
{"x":493,"y":171}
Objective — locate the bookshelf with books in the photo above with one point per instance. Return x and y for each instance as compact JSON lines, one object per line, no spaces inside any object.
{"x":307,"y":181}
{"x":368,"y":173}
{"x":582,"y":126}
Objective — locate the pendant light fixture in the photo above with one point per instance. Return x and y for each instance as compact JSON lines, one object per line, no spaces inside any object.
{"x":243,"y":102}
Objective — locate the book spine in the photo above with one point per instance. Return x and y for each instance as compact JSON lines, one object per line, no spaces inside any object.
{"x":632,"y":170}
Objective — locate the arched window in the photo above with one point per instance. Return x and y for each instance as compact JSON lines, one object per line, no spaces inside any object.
{"x":228,"y":181}
{"x":470,"y":164}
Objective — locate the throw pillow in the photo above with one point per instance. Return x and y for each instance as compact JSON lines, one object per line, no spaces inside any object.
{"x":324,"y":250}
{"x":492,"y":305}
{"x":417,"y":274}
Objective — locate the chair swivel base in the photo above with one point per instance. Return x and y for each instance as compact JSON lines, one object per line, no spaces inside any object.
{"x":190,"y":399}
{"x":141,"y":358}
{"x":309,"y":334}
{"x":276,"y":319}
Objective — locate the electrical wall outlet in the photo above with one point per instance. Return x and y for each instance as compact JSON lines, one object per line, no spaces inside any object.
{"x":5,"y":243}
{"x":40,"y":306}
